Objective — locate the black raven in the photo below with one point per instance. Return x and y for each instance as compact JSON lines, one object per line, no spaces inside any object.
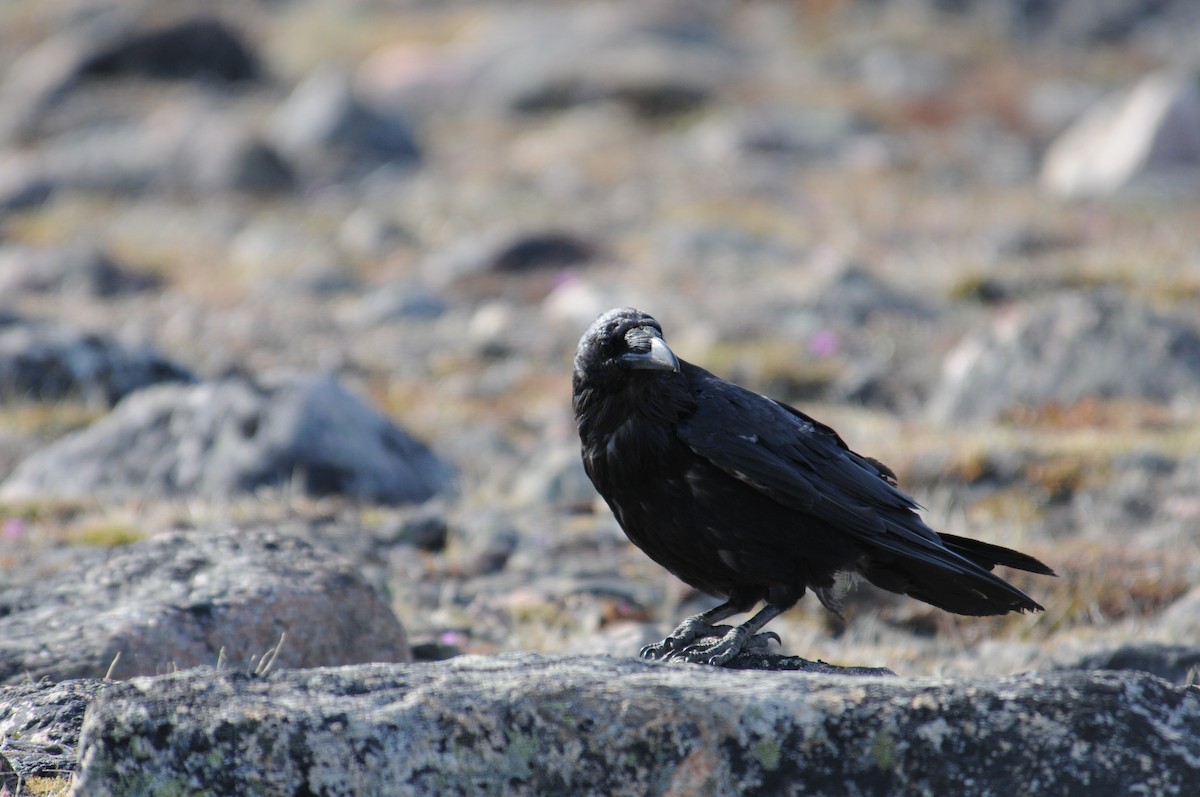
{"x":746,"y":498}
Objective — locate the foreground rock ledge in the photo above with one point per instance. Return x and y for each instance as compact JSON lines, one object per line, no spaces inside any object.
{"x":535,"y":724}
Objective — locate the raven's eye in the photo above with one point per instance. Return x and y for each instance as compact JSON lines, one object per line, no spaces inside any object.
{"x":613,"y":343}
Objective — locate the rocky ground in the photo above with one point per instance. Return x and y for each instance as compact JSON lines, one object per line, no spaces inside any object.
{"x":298,"y":285}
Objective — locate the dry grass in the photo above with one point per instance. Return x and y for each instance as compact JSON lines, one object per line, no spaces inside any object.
{"x":52,"y":786}
{"x":46,"y":420}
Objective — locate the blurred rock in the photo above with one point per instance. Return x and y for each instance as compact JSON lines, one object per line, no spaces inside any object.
{"x":1175,"y":663}
{"x":46,"y":362}
{"x":651,"y":61}
{"x":554,"y":476}
{"x":521,"y":266}
{"x":225,"y":438}
{"x":73,"y":270}
{"x":1151,"y":134}
{"x":199,"y":48}
{"x":118,"y":43}
{"x":121,"y":158}
{"x":416,"y":78}
{"x":650,"y":81}
{"x":1020,"y":243}
{"x":535,"y":724}
{"x":855,"y":296}
{"x":1091,"y":22}
{"x":1082,"y":22}
{"x":369,"y":235}
{"x":575,"y":300}
{"x":23,"y":185}
{"x":549,"y":250}
{"x":902,"y":74}
{"x":655,"y":63}
{"x":333,"y":135}
{"x":1182,"y":619}
{"x":1062,"y":349}
{"x":213,"y":152}
{"x":806,"y":134}
{"x":425,"y":529}
{"x":405,"y":300}
{"x":480,"y":543}
{"x":181,"y":599}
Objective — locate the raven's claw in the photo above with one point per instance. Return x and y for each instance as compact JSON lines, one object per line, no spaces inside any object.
{"x":721,"y":650}
{"x":681,"y":638}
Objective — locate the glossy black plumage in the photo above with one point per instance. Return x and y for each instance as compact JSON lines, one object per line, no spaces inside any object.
{"x":749,"y":499}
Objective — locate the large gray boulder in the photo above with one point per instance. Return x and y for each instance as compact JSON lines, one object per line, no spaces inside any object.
{"x":182,"y":599}
{"x":1065,"y":348}
{"x":535,"y":724}
{"x":224,"y":438}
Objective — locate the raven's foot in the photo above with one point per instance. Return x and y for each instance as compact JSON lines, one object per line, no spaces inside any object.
{"x":689,"y":631}
{"x":721,"y":650}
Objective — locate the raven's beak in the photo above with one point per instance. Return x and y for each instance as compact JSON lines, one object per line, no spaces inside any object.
{"x":647,"y":351}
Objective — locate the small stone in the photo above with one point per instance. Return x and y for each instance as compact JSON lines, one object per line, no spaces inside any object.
{"x":332,"y":134}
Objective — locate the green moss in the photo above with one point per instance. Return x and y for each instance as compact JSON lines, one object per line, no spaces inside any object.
{"x":521,"y":751}
{"x":768,"y":753}
{"x":107,"y":535}
{"x":883,"y":750}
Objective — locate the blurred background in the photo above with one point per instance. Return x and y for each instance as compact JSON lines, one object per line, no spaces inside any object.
{"x":966,"y":234}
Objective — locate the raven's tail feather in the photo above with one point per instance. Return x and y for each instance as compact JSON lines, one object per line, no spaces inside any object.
{"x":958,"y":579}
{"x":977,"y":594}
{"x":988,"y":556}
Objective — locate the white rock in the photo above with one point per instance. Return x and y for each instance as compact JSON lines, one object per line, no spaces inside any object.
{"x":1154,"y":130}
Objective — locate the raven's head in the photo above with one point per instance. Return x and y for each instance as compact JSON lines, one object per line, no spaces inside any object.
{"x":619,"y":341}
{"x":622,"y":367}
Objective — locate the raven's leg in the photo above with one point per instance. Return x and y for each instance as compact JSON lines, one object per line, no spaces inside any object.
{"x":697,"y":626}
{"x":734,"y":642}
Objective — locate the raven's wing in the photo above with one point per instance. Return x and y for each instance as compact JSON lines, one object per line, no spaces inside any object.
{"x":790,"y":457}
{"x":803,"y":464}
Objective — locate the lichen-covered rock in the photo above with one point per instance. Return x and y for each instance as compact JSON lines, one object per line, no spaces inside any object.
{"x":532,"y":724}
{"x":186,"y":598}
{"x":39,"y":724}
